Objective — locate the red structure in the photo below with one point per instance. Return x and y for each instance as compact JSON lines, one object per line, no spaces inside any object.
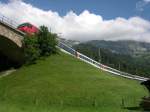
{"x":28,"y":28}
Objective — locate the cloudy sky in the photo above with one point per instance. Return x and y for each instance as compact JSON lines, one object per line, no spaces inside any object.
{"x":85,"y":20}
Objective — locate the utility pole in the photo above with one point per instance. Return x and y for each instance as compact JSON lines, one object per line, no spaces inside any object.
{"x":99,"y":54}
{"x":119,"y":66}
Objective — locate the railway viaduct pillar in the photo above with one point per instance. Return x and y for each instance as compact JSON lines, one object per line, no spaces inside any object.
{"x":11,"y":44}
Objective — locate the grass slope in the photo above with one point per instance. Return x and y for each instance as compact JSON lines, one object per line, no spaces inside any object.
{"x":61,"y":83}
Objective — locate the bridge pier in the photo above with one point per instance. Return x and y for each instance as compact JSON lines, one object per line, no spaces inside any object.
{"x":11,"y":44}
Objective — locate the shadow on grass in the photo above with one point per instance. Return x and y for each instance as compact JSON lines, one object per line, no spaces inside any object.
{"x":133,"y":108}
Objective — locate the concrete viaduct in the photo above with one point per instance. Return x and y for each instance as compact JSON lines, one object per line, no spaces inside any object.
{"x":11,"y":42}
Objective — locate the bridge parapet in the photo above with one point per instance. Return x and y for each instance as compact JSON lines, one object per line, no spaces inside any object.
{"x":11,"y":33}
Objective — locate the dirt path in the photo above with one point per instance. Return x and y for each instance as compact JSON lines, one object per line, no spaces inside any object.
{"x":6,"y":73}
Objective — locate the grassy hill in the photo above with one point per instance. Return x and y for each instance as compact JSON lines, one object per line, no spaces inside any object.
{"x":61,"y":83}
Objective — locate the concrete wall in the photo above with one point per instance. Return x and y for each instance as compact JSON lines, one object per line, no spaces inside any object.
{"x":11,"y":33}
{"x":11,"y":43}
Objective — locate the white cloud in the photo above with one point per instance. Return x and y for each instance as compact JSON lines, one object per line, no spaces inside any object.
{"x":83,"y":27}
{"x":146,"y":0}
{"x":141,"y":4}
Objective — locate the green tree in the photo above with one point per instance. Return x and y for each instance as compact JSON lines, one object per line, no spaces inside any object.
{"x":47,"y":42}
{"x":40,"y":44}
{"x":31,"y":49}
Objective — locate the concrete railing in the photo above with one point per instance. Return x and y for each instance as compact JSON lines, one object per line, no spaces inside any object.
{"x":71,"y":51}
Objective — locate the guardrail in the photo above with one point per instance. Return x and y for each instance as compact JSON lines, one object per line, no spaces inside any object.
{"x":86,"y":59}
{"x":8,"y":21}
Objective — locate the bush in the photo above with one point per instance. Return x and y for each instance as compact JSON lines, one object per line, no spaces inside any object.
{"x":41,"y":44}
{"x":47,"y":42}
{"x":31,"y":49}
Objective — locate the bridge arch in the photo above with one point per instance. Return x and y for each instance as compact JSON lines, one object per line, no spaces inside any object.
{"x":11,"y":50}
{"x":12,"y":33}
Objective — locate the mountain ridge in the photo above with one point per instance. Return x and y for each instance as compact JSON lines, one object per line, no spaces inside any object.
{"x":128,"y":56}
{"x":132,"y":48}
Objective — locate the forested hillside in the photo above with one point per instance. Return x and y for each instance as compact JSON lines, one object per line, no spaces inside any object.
{"x":129,"y":56}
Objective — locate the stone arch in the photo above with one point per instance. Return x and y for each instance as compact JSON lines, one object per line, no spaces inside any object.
{"x":10,"y":49}
{"x":11,"y":33}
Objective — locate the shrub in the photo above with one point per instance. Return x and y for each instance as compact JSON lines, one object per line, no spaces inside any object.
{"x":47,"y":41}
{"x":31,"y":49}
{"x":41,"y":44}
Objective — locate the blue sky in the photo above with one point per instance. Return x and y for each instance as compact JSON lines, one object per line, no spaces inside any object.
{"x":109,"y":9}
{"x":85,"y":20}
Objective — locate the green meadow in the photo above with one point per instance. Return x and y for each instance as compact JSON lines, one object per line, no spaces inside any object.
{"x":62,"y":83}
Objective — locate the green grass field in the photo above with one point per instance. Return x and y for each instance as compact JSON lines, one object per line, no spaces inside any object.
{"x":61,"y":83}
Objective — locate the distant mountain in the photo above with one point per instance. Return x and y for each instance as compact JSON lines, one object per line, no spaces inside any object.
{"x":132,"y":48}
{"x":129,"y":56}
